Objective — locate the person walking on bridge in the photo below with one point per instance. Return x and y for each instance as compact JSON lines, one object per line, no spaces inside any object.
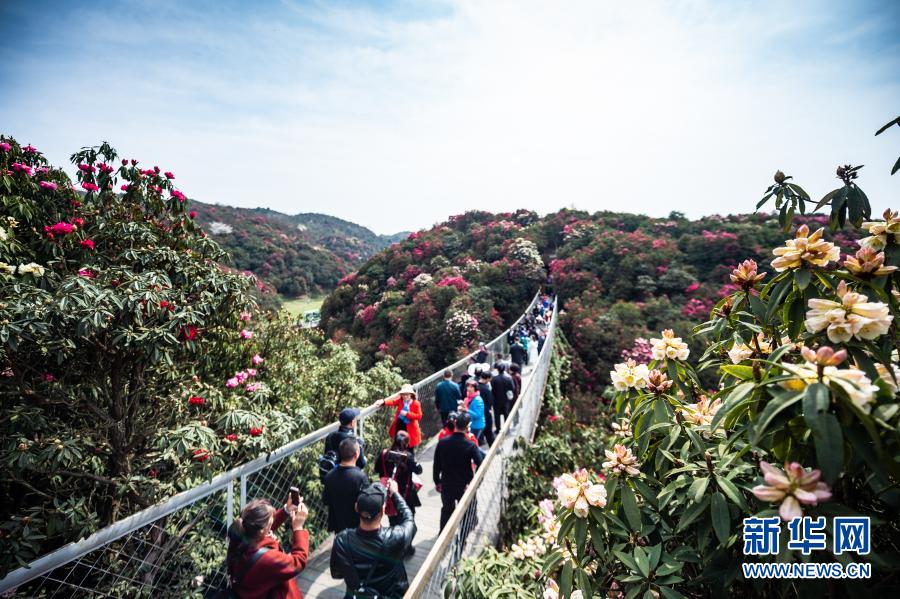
{"x":504,"y":391}
{"x":409,"y":413}
{"x":446,"y":396}
{"x":454,"y":459}
{"x":342,"y":485}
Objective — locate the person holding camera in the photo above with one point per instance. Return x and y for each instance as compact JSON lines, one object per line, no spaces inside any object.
{"x":370,"y":558}
{"x":257,"y":566}
{"x":398,"y":464}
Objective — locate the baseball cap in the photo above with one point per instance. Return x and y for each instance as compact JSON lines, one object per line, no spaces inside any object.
{"x":370,"y":500}
{"x":347,"y":415}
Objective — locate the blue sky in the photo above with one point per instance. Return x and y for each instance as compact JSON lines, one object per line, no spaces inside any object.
{"x":398,"y":114}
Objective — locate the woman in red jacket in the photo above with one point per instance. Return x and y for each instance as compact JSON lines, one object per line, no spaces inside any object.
{"x":409,"y":412}
{"x":257,"y":566}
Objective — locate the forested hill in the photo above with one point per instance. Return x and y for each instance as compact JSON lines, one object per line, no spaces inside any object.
{"x":433,"y":296}
{"x":295,"y":254}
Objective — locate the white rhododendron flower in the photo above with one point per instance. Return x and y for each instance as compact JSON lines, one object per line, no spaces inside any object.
{"x":669,"y":346}
{"x":805,"y":250}
{"x":854,"y":382}
{"x":31,"y":268}
{"x":853,"y":316}
{"x":879,"y":231}
{"x":576,"y":492}
{"x":629,"y":375}
{"x":621,"y":461}
{"x":702,"y":412}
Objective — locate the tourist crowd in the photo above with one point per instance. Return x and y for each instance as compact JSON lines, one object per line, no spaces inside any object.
{"x":365,"y":554}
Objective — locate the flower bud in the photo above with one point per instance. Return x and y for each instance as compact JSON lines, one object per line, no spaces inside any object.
{"x":779,"y":177}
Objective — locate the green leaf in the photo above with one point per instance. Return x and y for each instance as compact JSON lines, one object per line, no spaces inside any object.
{"x":802,"y":277}
{"x":721,"y":518}
{"x":698,"y":488}
{"x":815,"y":400}
{"x":642,"y":560}
{"x":828,"y":197}
{"x":732,"y":492}
{"x":739,"y":372}
{"x":829,"y":440}
{"x":565,"y":579}
{"x":772,"y":409}
{"x":581,"y":528}
{"x":630,"y":506}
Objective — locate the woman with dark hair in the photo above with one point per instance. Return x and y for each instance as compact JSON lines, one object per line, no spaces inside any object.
{"x":257,"y":566}
{"x":400,"y":464}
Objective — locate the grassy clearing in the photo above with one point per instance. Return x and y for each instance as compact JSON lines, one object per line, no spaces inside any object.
{"x":298,"y":306}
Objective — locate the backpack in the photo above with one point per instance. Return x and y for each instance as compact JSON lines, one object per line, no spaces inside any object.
{"x":363,"y":590}
{"x":327,"y":462}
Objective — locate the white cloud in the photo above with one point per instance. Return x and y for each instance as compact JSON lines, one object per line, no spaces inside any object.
{"x":395,"y":122}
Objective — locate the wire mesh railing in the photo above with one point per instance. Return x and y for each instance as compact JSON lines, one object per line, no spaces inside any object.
{"x":475,"y":521}
{"x":177,"y":547}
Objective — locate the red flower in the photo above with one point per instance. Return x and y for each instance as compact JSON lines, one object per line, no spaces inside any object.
{"x":201,"y":455}
{"x":89,"y":186}
{"x":153,"y":473}
{"x":196,"y":400}
{"x":188,"y":333}
{"x":192,"y":214}
{"x":87,"y":243}
{"x":177,"y":194}
{"x":232,"y":437}
{"x":552,"y":417}
{"x":87,"y":272}
{"x":256,"y":431}
{"x":49,"y":377}
{"x":167,"y":305}
{"x":169,"y":175}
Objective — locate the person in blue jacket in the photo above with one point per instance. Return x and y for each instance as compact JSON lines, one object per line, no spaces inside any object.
{"x":475,"y":406}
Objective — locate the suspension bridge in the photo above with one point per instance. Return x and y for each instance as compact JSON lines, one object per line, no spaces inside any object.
{"x":176,"y":548}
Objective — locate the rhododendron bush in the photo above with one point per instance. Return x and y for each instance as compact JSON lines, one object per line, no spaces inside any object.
{"x":132,"y":366}
{"x":803,"y":419}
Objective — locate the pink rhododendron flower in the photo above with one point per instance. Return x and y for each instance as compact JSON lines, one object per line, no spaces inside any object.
{"x":192,"y":214}
{"x":87,"y":272}
{"x":241,"y":376}
{"x":106,"y":168}
{"x":60,"y":228}
{"x":147,"y":172}
{"x":87,"y":243}
{"x":792,"y":487}
{"x":48,"y":185}
{"x":252,"y":387}
{"x":169,"y":175}
{"x":86,"y":168}
{"x":245,"y":334}
{"x":257,"y":359}
{"x":177,"y":194}
{"x":89,"y":186}
{"x":29,"y":149}
{"x":49,"y":377}
{"x":5,"y":146}
{"x":245,"y":316}
{"x":251,"y":372}
{"x":125,"y":187}
{"x":231,"y":383}
{"x":21,"y":168}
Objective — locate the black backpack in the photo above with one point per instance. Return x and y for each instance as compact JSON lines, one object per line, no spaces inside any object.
{"x":327,"y":462}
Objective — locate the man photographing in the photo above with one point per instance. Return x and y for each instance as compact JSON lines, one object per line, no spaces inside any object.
{"x":370,"y":558}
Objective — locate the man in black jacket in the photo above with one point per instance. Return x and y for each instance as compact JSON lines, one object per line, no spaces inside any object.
{"x":518,"y":353}
{"x":487,"y":396}
{"x":342,"y":486}
{"x":370,"y":558}
{"x":347,"y":429}
{"x":504,"y":391}
{"x":454,"y":458}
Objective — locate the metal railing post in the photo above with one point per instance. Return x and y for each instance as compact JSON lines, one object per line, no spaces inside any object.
{"x":243,"y":491}
{"x":229,"y":518}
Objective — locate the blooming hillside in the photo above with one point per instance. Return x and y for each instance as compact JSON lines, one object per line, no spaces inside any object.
{"x":619,"y":277}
